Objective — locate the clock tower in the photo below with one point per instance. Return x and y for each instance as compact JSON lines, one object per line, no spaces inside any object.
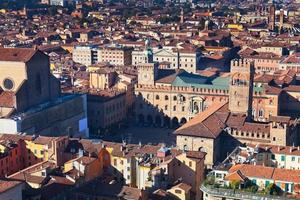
{"x":147,"y":73}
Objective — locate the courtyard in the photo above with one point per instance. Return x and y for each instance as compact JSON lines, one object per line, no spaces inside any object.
{"x":141,"y":133}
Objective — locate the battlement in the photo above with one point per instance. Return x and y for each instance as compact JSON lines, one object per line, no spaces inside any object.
{"x":147,"y":65}
{"x":191,"y":90}
{"x":241,"y":64}
{"x":158,"y":88}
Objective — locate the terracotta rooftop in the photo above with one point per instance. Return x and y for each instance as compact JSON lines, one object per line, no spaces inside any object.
{"x":8,"y":184}
{"x":257,"y":171}
{"x":211,"y":122}
{"x":202,"y":123}
{"x":275,"y":149}
{"x":7,"y":99}
{"x":16,"y":54}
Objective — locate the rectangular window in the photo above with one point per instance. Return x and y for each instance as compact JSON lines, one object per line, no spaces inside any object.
{"x":293,"y":158}
{"x":178,"y":191}
{"x":218,"y":175}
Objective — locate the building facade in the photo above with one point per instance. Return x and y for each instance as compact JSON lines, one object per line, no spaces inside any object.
{"x":223,"y":126}
{"x":85,"y":55}
{"x":115,"y":55}
{"x":30,"y":98}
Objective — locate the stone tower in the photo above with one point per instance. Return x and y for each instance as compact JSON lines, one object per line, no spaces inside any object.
{"x":281,"y":20}
{"x":271,"y":25}
{"x":147,"y":73}
{"x":241,"y":87}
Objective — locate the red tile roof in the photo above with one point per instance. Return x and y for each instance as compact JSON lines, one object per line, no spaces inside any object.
{"x":201,"y":125}
{"x":16,"y":54}
{"x":8,"y":184}
{"x":276,"y":174}
{"x":7,"y":99}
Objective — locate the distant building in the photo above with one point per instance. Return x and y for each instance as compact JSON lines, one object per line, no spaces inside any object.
{"x":141,"y":56}
{"x":291,"y":62}
{"x":115,"y":55}
{"x":106,"y":109}
{"x":167,"y":96}
{"x":286,"y":157}
{"x":86,"y":55}
{"x":185,"y":58}
{"x":277,"y":183}
{"x":232,"y":123}
{"x":151,"y":167}
{"x":62,"y":3}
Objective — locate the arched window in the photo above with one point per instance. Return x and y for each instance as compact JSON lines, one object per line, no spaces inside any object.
{"x":254,"y":113}
{"x":175,"y":98}
{"x":261,"y":113}
{"x":202,"y":149}
{"x":157,"y":97}
{"x":185,"y":147}
{"x":174,"y":108}
{"x":166,"y":97}
{"x":195,"y":108}
{"x":183,"y":98}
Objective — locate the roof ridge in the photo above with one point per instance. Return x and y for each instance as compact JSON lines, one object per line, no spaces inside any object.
{"x":209,"y":130}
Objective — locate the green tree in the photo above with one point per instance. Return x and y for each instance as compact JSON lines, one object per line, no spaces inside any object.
{"x":235,"y":184}
{"x":272,"y":189}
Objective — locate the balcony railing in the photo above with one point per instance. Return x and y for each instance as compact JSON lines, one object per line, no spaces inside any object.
{"x":238,"y":194}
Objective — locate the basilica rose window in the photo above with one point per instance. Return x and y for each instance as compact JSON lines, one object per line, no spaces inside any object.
{"x":8,"y":84}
